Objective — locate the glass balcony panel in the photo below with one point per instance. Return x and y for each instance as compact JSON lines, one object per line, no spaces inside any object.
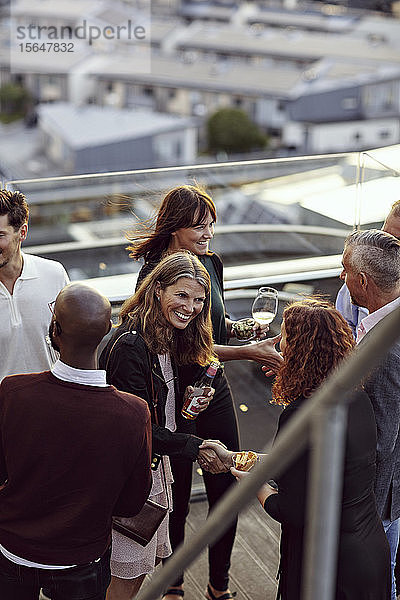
{"x":268,"y":211}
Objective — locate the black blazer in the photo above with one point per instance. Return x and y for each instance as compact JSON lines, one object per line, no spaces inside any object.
{"x":383,"y":389}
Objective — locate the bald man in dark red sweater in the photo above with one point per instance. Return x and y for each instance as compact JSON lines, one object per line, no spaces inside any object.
{"x":73,"y":452}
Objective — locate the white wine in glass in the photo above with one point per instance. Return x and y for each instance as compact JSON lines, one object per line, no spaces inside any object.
{"x":265,"y":306}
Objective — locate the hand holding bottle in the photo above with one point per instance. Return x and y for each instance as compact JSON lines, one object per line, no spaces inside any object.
{"x":196,"y":403}
{"x":197,"y":397}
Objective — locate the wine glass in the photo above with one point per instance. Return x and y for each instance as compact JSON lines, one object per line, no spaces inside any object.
{"x":265,"y":306}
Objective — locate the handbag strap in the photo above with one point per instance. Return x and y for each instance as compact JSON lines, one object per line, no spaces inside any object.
{"x":165,"y":483}
{"x":154,"y":399}
{"x":114,"y":344}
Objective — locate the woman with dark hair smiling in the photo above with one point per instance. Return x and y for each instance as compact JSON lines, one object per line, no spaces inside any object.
{"x":185,"y":220}
{"x":315,"y":339}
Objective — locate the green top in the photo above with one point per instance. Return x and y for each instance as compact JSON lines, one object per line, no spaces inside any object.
{"x":217,"y":300}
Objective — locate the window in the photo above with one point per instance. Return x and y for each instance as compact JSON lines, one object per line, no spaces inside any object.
{"x":349,"y":103}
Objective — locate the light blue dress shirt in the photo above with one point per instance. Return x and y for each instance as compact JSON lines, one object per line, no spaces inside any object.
{"x":352,"y":313}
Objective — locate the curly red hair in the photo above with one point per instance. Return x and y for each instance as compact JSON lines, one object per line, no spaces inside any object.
{"x":317,"y":339}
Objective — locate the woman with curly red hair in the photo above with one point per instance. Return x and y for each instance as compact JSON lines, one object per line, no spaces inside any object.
{"x":315,"y":339}
{"x":319,"y":340}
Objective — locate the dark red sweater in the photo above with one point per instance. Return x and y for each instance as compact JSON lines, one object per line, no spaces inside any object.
{"x":73,"y":455}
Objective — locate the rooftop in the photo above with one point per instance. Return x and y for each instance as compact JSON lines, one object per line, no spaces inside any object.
{"x":88,"y":125}
{"x":44,"y":63}
{"x":333,"y":74}
{"x":289,"y":44}
{"x":303,"y":20}
{"x":204,"y":75}
{"x":268,"y":80}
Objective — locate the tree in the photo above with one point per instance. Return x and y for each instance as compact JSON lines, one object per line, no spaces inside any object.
{"x":14,"y":102}
{"x":231,"y":130}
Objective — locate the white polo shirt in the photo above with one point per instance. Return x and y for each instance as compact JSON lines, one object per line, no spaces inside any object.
{"x":25,"y":316}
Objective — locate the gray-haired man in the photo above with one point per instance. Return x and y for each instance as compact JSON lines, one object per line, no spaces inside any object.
{"x":371,"y":271}
{"x":351,"y":312}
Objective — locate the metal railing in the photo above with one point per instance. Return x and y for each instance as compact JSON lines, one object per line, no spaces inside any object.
{"x":239,"y":228}
{"x":182,"y":169}
{"x":324,"y":418}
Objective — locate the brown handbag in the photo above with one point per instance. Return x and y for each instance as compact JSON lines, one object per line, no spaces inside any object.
{"x":142,"y":527}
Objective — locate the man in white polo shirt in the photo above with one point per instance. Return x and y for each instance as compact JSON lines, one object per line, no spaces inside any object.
{"x":371,"y":271}
{"x":27,"y":284}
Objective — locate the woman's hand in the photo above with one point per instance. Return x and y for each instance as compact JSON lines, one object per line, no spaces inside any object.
{"x":239,"y":474}
{"x":202,"y":401}
{"x":209,"y":460}
{"x":229,"y":330}
{"x":224,"y":455}
{"x":265,"y":490}
{"x":264,"y":352}
{"x":260,"y":331}
{"x":268,"y":372}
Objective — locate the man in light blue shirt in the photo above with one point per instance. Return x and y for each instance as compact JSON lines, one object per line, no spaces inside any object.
{"x":352,"y":313}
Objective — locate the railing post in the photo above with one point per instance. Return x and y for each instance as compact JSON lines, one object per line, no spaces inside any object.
{"x":328,"y":435}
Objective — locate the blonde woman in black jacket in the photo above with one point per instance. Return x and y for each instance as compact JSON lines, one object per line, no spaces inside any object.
{"x":165,"y":324}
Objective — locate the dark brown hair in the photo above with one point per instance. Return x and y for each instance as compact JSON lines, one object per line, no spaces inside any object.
{"x":183,"y":206}
{"x":15,"y":206}
{"x":317,"y":339}
{"x":194,"y":344}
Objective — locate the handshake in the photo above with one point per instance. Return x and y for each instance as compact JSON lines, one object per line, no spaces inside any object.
{"x":215,"y":458}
